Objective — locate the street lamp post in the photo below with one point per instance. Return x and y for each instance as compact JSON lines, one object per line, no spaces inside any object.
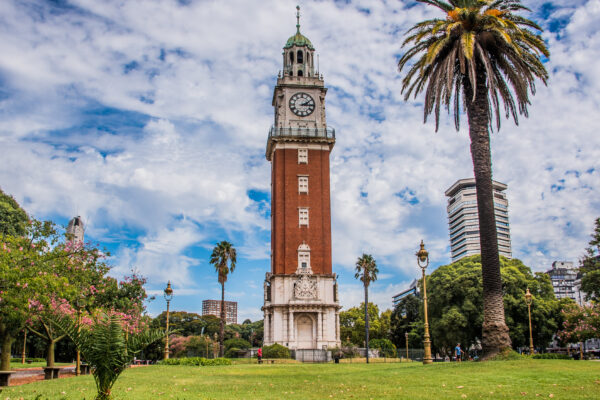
{"x":529,"y":300}
{"x":406,"y":337}
{"x":79,"y":304}
{"x":168,"y":298}
{"x":423,"y":262}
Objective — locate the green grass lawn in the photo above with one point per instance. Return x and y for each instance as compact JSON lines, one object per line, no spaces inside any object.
{"x":41,"y":364}
{"x":556,"y":379}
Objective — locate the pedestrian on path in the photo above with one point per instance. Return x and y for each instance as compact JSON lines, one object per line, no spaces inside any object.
{"x":259,"y":354}
{"x":458,"y":352}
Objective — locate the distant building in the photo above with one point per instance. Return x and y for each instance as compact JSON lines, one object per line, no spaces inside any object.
{"x":76,"y":228}
{"x":565,"y":281}
{"x":463,"y":219}
{"x":213,"y":307}
{"x":413,"y":289}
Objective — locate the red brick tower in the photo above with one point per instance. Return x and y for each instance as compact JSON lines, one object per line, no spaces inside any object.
{"x":301,"y":305}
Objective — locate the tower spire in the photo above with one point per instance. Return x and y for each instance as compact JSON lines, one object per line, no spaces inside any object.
{"x":297,"y":19}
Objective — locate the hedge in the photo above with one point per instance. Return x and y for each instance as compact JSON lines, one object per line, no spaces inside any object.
{"x":198,"y":361}
{"x":276,"y":351}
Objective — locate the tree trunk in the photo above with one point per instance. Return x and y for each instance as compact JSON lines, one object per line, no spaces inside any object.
{"x":495,"y":332}
{"x":367,"y":320}
{"x":222,"y":328}
{"x":50,"y":354}
{"x":7,"y":341}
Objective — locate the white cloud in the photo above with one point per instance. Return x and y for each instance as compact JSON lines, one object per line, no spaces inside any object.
{"x":150,"y":120}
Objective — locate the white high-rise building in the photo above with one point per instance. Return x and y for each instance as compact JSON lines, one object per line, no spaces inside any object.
{"x":463,"y":219}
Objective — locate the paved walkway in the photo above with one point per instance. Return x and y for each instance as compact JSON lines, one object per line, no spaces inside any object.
{"x":27,"y":375}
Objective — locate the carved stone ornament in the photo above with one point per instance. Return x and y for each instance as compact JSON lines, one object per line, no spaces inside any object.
{"x":305,"y":287}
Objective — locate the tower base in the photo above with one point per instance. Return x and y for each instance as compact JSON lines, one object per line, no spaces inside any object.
{"x":301,"y":311}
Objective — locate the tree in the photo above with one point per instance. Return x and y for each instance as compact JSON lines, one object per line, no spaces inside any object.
{"x":366,"y":271}
{"x":456,"y":306}
{"x":581,"y":323}
{"x":481,"y":52}
{"x":26,"y":275}
{"x":223,"y":258}
{"x":589,"y":266}
{"x":352,"y":324}
{"x":13,"y":219}
{"x":407,"y":318}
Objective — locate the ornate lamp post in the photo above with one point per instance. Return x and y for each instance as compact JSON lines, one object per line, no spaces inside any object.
{"x":168,"y":298}
{"x":79,"y":304}
{"x":423,"y":262}
{"x":529,"y":300}
{"x":406,"y":337}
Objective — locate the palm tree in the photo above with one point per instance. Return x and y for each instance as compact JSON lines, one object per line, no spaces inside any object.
{"x":107,"y":347}
{"x":481,"y":52}
{"x":366,"y":271}
{"x":223,"y":258}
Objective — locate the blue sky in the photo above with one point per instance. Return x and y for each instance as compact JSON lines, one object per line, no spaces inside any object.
{"x":150,"y":118}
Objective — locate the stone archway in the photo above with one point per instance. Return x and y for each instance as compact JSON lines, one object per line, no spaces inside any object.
{"x":305,"y":332}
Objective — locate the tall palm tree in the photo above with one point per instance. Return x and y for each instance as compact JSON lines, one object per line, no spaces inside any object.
{"x":366,"y":271}
{"x":480,"y":52}
{"x":223,"y":258}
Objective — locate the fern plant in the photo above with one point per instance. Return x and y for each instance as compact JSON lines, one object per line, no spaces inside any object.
{"x":107,"y":347}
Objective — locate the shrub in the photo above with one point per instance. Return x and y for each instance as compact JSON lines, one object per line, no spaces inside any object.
{"x":552,"y":356}
{"x":385,"y":346}
{"x":237,"y":343}
{"x":506,"y":355}
{"x":276,"y":351}
{"x":350,"y":351}
{"x":196,"y":361}
{"x":233,"y":352}
{"x":18,"y":360}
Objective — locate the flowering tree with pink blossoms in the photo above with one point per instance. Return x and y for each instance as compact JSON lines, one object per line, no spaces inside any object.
{"x":24,"y":274}
{"x":580,"y":323}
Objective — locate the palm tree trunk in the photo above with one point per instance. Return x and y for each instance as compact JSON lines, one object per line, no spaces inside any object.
{"x":495,"y":332}
{"x":222,"y":328}
{"x":367,"y":320}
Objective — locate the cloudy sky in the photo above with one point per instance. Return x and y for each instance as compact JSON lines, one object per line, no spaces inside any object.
{"x":149,"y":118}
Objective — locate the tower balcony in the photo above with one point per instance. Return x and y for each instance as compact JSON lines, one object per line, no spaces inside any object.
{"x":314,"y":135}
{"x":326,"y":133}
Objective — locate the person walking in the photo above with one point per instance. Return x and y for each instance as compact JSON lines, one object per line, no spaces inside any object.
{"x":259,"y":355}
{"x":458,"y":352}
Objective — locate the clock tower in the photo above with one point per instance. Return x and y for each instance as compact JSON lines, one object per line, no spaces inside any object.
{"x":301,"y":305}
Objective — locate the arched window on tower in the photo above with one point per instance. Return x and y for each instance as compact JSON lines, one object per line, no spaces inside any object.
{"x":300,"y":73}
{"x":300,"y":57}
{"x":304,"y":258}
{"x":291,"y":57}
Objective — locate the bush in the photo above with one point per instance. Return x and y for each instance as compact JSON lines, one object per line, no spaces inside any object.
{"x":237,"y":343}
{"x":350,"y":351}
{"x":234,"y":352}
{"x":197,"y":361}
{"x":551,"y":356}
{"x":506,"y":355}
{"x":18,"y":360}
{"x":276,"y":351}
{"x":385,"y":346}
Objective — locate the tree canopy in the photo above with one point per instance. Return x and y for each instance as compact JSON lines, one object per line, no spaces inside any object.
{"x":456,"y":304}
{"x":590,"y":266}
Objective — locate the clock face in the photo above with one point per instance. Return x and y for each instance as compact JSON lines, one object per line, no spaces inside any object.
{"x":302,"y":104}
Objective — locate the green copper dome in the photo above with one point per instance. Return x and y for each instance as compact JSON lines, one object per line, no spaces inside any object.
{"x":298,"y":40}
